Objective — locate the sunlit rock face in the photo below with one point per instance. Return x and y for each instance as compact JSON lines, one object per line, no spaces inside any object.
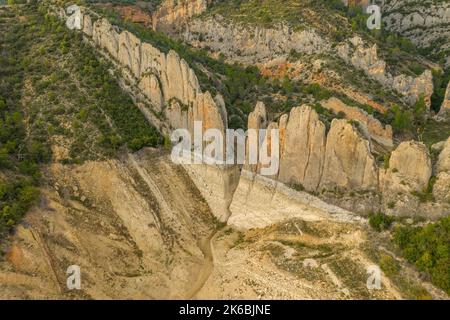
{"x":165,"y":79}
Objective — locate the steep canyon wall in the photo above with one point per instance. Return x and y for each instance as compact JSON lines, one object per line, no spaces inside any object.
{"x":338,"y":165}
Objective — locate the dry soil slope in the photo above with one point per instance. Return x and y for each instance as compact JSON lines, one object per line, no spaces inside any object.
{"x":133,"y":226}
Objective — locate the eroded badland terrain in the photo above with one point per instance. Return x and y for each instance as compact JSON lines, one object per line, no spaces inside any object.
{"x":87,"y":179}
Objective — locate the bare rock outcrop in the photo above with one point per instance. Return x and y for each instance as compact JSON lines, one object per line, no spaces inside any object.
{"x":255,"y":44}
{"x":409,"y":169}
{"x":206,"y":110}
{"x":349,"y":164}
{"x":304,"y":148}
{"x":372,"y":127}
{"x":366,"y":58}
{"x":106,"y":36}
{"x":257,"y":119}
{"x":425,"y":23}
{"x":129,"y":54}
{"x":443,"y":163}
{"x":339,"y":160}
{"x":173,"y":12}
{"x":150,"y":86}
{"x":445,"y":108}
{"x":331,"y":166}
{"x":165,"y":80}
{"x":441,"y":188}
{"x":250,"y":44}
{"x":87,"y":25}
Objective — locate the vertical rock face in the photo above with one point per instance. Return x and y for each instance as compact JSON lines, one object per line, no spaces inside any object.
{"x":349,"y":165}
{"x":406,"y":178}
{"x":409,"y":169}
{"x":445,"y":108}
{"x":414,"y":88}
{"x":310,"y":158}
{"x":257,"y":119}
{"x":267,"y":143}
{"x":206,"y":110}
{"x":106,"y":36}
{"x":179,"y":80}
{"x":366,"y":59}
{"x":149,"y":85}
{"x":173,"y":12}
{"x":303,"y":148}
{"x":425,"y":23}
{"x":371,"y":126}
{"x":253,"y":44}
{"x":441,"y":188}
{"x":443,"y":163}
{"x":218,"y":99}
{"x":129,"y":53}
{"x":87,"y":25}
{"x":152,"y":60}
{"x":165,"y":80}
{"x":282,"y":124}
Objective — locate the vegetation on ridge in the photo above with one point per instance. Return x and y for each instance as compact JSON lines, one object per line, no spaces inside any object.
{"x":58,"y":102}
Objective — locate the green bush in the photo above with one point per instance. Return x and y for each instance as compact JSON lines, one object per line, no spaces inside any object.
{"x":379,"y":221}
{"x":428,"y":248}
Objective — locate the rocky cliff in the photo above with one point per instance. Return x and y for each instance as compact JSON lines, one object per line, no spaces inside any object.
{"x":339,"y":165}
{"x":336,"y":165}
{"x":365,"y":58}
{"x":139,"y":227}
{"x":441,"y":188}
{"x":425,"y":23}
{"x":176,"y":12}
{"x":372,"y":127}
{"x":445,"y":108}
{"x":162,"y":84}
{"x":255,"y":44}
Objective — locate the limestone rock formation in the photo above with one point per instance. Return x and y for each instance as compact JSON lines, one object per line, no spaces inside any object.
{"x":441,"y":188}
{"x":255,"y":44}
{"x":445,"y":108}
{"x":339,"y":160}
{"x":166,"y":80}
{"x":371,"y":126}
{"x":410,"y":18}
{"x":282,"y":124}
{"x":206,"y":110}
{"x":257,"y":119}
{"x":348,"y":165}
{"x":443,"y":163}
{"x":409,"y":169}
{"x":106,"y":36}
{"x":366,"y":58}
{"x":87,"y":25}
{"x":149,"y":85}
{"x":129,"y":53}
{"x":415,"y":87}
{"x":173,"y":12}
{"x":304,"y":148}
